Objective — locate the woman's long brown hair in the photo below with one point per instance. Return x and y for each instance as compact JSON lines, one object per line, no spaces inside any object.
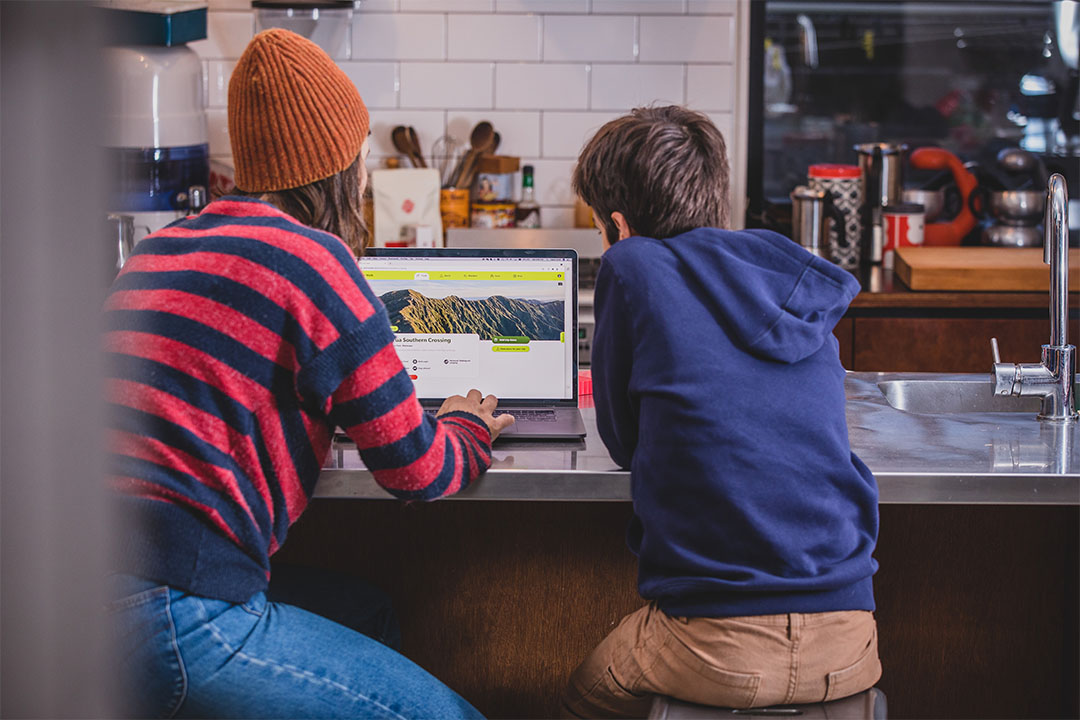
{"x":333,"y":204}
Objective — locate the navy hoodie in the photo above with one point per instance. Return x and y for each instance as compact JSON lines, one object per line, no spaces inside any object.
{"x":718,"y":382}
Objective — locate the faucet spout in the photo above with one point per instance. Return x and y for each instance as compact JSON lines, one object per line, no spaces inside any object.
{"x":1056,"y":255}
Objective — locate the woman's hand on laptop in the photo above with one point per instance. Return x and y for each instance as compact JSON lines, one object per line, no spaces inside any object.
{"x":483,"y":407}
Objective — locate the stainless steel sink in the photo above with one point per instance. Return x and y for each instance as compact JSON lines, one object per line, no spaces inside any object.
{"x":936,"y":397}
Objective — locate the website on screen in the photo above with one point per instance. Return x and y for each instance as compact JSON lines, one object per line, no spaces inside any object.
{"x":496,"y":324}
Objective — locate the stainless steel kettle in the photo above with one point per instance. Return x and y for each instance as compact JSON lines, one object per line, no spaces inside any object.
{"x":811,"y":209}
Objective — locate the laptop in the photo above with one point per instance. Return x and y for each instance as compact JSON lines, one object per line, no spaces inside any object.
{"x":501,"y":320}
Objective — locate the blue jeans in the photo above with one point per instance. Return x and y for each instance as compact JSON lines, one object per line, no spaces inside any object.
{"x":181,"y":655}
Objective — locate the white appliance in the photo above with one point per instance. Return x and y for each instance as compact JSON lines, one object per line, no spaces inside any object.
{"x":157,"y":138}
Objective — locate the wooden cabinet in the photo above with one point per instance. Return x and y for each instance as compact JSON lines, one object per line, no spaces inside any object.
{"x":956,"y":344}
{"x":897,"y":330}
{"x":976,"y":605}
{"x":845,"y":334}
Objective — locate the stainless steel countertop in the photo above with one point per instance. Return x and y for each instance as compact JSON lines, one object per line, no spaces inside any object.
{"x":991,"y":458}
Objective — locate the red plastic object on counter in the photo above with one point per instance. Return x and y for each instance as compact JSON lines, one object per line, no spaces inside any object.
{"x":952,"y":232}
{"x":584,"y":382}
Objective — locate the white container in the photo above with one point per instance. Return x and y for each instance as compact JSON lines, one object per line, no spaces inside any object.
{"x":406,"y":198}
{"x":156,"y":133}
{"x":327,"y":23}
{"x":156,"y":97}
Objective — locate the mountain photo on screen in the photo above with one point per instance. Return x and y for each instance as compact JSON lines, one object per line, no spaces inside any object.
{"x":486,"y":308}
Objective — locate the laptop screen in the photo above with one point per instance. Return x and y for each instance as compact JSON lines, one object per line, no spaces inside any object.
{"x":502,"y":321}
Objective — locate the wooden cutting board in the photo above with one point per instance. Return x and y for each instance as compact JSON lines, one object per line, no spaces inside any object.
{"x":986,"y":269}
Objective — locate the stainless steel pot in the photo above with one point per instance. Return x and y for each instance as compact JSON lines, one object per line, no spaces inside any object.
{"x":1012,"y":236}
{"x":933,"y":201}
{"x":1018,"y":205}
{"x":1012,"y":207}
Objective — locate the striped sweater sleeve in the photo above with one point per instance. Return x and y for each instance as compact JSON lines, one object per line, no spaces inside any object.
{"x":362,"y":386}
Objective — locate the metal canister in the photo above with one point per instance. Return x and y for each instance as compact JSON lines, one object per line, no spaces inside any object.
{"x":812,"y":210}
{"x":882,"y":166}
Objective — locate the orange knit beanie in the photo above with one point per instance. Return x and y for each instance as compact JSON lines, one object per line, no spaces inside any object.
{"x":294,"y":116}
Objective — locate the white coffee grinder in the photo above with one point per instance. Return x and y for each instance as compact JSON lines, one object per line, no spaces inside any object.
{"x":157,"y":139}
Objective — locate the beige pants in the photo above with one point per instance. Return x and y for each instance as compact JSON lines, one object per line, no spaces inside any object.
{"x":737,"y":662}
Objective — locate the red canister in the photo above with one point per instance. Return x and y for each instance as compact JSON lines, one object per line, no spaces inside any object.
{"x":904,"y":225}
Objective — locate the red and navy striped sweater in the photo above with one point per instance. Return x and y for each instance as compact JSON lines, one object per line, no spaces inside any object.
{"x":237,"y":340}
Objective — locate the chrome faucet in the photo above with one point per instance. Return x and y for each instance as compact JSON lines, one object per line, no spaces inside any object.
{"x":1053,"y":378}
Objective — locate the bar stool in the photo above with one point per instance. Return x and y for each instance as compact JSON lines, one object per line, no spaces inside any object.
{"x":867,"y":705}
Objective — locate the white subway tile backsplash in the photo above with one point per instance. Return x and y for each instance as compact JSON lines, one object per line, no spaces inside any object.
{"x":546,"y":73}
{"x":494,"y":37}
{"x":542,"y":6}
{"x":565,"y":133}
{"x":377,"y":82}
{"x":519,"y":132}
{"x":617,"y":87}
{"x":725,"y":123}
{"x":598,"y":38}
{"x":687,"y":39}
{"x":556,"y":216}
{"x":429,"y":125}
{"x":541,"y":87}
{"x":713,"y":7}
{"x":640,"y":7}
{"x":710,"y":87}
{"x":446,"y":85}
{"x":217,"y":120}
{"x":218,"y":73}
{"x":552,"y":181}
{"x":227,"y":34}
{"x":475,"y":6}
{"x":399,"y":36}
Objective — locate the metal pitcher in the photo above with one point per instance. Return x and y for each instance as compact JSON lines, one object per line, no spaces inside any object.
{"x":811,"y":208}
{"x":121,"y":229}
{"x":882,"y":166}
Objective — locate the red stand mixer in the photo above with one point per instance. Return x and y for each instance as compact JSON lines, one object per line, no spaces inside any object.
{"x":949,"y":232}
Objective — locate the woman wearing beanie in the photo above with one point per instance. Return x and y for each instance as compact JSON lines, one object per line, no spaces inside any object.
{"x":237,"y":340}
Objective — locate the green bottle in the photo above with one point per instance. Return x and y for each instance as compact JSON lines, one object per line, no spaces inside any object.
{"x":527,"y":214}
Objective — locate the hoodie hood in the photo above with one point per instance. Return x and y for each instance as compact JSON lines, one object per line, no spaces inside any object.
{"x":778,"y":300}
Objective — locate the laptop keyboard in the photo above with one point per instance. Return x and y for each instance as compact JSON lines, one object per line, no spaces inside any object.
{"x":530,"y":415}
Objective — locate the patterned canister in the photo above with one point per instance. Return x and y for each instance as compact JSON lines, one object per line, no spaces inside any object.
{"x":845,"y":184}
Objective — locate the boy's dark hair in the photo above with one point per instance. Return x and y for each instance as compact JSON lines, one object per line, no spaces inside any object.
{"x":664,"y":168}
{"x":333,"y":205}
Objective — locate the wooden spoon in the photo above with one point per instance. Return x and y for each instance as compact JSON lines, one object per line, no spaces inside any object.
{"x":414,"y":142}
{"x":481,"y":139}
{"x":400,"y":137}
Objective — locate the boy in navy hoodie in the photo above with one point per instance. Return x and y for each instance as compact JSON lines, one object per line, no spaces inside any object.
{"x":717,"y":381}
